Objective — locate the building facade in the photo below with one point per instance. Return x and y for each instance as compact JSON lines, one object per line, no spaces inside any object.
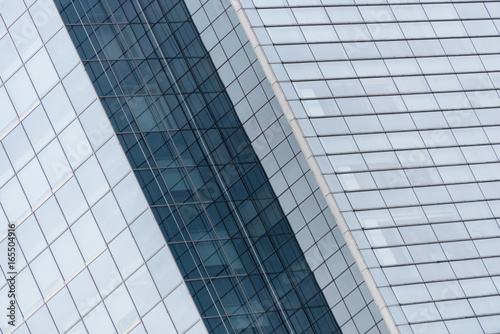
{"x":395,"y":106}
{"x":257,"y":166}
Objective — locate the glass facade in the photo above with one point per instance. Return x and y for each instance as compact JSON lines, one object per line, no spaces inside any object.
{"x":89,"y":255}
{"x":195,"y":163}
{"x":251,"y":166}
{"x":396,"y":106}
{"x":311,"y":220}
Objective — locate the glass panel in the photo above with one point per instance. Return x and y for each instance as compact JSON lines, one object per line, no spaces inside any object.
{"x":38,"y":128}
{"x":51,"y":219}
{"x":67,"y":254}
{"x":9,"y":59}
{"x":42,"y":72}
{"x":158,"y":320}
{"x":112,"y":161}
{"x":162,"y":268}
{"x":96,"y":125}
{"x":181,"y":308}
{"x":98,"y":321}
{"x":144,"y":230}
{"x":79,"y":89}
{"x":30,"y":238}
{"x":46,"y":18}
{"x":46,"y":273}
{"x":18,"y":147}
{"x":132,"y":203}
{"x":33,"y":181}
{"x":87,"y":235}
{"x":121,"y":309}
{"x":143,"y":290}
{"x":75,"y":144}
{"x":54,"y":163}
{"x":62,"y":52}
{"x":63,"y":310}
{"x":29,"y":296}
{"x":58,"y":108}
{"x":125,"y":252}
{"x":109,"y":216}
{"x":8,"y":115}
{"x":6,"y":170}
{"x":84,"y":292}
{"x":23,"y":99}
{"x":71,"y":200}
{"x":91,"y":180}
{"x":13,"y":200}
{"x":105,"y":274}
{"x":41,"y":322}
{"x":25,"y":36}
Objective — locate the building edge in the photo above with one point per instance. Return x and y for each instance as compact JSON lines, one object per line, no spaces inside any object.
{"x":314,"y":166}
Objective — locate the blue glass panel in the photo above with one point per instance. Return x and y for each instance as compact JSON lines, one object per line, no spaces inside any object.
{"x":207,"y":189}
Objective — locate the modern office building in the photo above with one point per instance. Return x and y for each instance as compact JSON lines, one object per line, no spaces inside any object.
{"x":254,"y":166}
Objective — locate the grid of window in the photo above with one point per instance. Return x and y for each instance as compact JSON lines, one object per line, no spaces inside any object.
{"x":272,"y":140}
{"x":89,"y":255}
{"x":207,"y":189}
{"x":399,"y":105}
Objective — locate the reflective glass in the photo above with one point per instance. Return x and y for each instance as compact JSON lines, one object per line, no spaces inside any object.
{"x":38,"y":128}
{"x":75,"y":144}
{"x":158,"y":320}
{"x":30,"y":238}
{"x":42,"y":72}
{"x":13,"y":200}
{"x":51,"y":219}
{"x":105,"y":273}
{"x":23,"y":99}
{"x":71,"y":200}
{"x":62,"y":52}
{"x":132,"y":204}
{"x":29,"y":296}
{"x":98,"y":321}
{"x":63,"y":310}
{"x":18,"y":147}
{"x":33,"y":181}
{"x":112,"y":161}
{"x":79,"y":92}
{"x":84,"y":292}
{"x":67,"y":254}
{"x":41,"y":322}
{"x":25,"y":36}
{"x":46,"y":273}
{"x":12,"y":11}
{"x":91,"y":180}
{"x":147,"y":238}
{"x":46,"y":18}
{"x":8,"y":115}
{"x":125,"y":252}
{"x":87,"y":235}
{"x":108,"y":216}
{"x":6,"y":170}
{"x":121,"y":309}
{"x":96,"y":125}
{"x":54,"y":163}
{"x":161,"y":267}
{"x":9,"y":59}
{"x":178,"y":303}
{"x":58,"y":108}
{"x":222,"y":155}
{"x":143,"y":290}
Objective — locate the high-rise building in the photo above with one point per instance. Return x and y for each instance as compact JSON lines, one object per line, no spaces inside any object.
{"x":253,"y":166}
{"x":395,"y":105}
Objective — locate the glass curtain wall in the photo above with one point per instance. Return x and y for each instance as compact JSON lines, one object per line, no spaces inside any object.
{"x":204,"y":183}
